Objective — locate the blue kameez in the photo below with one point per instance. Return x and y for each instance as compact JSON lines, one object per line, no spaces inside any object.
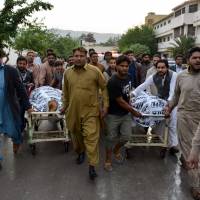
{"x":8,"y":126}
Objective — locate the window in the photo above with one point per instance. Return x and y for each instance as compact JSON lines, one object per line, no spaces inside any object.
{"x":164,"y":40}
{"x":183,"y":10}
{"x":168,"y":38}
{"x":177,"y":13}
{"x":191,"y":30}
{"x":193,"y":8}
{"x":157,"y":26}
{"x":182,"y":30}
{"x":176,"y":32}
{"x":169,"y":21}
{"x":160,"y":25}
{"x":164,"y":23}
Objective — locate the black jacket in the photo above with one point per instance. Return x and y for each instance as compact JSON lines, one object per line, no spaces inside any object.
{"x":15,"y":91}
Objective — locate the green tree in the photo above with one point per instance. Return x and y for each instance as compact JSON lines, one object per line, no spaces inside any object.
{"x":143,"y":35}
{"x":139,"y":49}
{"x":182,"y":45}
{"x":15,"y":13}
{"x":35,"y":38}
{"x":90,"y":38}
{"x":39,"y":39}
{"x":63,"y":46}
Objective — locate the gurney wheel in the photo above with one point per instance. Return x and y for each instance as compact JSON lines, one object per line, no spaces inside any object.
{"x":163,"y":152}
{"x":66,"y":146}
{"x":33,"y":149}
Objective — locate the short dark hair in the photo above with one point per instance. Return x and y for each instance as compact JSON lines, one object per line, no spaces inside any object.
{"x":58,"y":63}
{"x":112,"y":58}
{"x":51,"y":54}
{"x":157,"y":55}
{"x":91,"y":50}
{"x":178,"y":55}
{"x":81,"y":49}
{"x":92,"y":53}
{"x":146,"y":54}
{"x":192,"y":50}
{"x":107,"y":52}
{"x":128,"y":52}
{"x":163,"y":61}
{"x":70,"y":57}
{"x":121,"y":59}
{"x":49,"y":50}
{"x":21,"y":58}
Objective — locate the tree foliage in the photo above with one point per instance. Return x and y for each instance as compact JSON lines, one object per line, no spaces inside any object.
{"x":88,"y":37}
{"x":182,"y":45}
{"x":34,"y":38}
{"x":143,"y":35}
{"x":15,"y":13}
{"x":139,"y":49}
{"x":63,"y":46}
{"x":40,"y":39}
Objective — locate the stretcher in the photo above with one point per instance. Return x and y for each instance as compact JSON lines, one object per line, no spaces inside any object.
{"x":38,"y":136}
{"x":151,"y":139}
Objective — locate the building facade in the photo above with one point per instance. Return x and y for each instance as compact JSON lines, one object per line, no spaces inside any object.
{"x":152,"y":18}
{"x":184,"y":20}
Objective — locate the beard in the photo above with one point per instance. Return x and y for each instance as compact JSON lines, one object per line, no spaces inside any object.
{"x":146,"y":62}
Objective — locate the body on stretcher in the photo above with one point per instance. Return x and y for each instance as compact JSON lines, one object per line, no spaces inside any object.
{"x":46,"y":123}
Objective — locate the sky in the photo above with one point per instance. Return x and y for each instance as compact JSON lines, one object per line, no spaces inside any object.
{"x":104,"y":16}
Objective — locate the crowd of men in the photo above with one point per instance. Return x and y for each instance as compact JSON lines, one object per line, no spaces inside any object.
{"x":96,"y":98}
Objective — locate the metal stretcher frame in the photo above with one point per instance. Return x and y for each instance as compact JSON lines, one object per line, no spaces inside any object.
{"x":150,"y":139}
{"x":36,"y":136}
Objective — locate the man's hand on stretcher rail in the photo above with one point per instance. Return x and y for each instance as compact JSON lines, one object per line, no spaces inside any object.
{"x":167,"y":111}
{"x":62,"y":111}
{"x":128,"y":107}
{"x":30,"y":110}
{"x":136,"y":113}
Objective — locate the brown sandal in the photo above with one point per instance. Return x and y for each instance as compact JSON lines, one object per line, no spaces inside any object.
{"x":108,"y":166}
{"x":15,"y":148}
{"x":118,"y":157}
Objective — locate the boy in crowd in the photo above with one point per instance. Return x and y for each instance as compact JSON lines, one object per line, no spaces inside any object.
{"x":118,"y":120}
{"x":58,"y":75}
{"x":47,"y":70}
{"x":26,"y":77}
{"x":111,"y":69}
{"x":94,"y":61}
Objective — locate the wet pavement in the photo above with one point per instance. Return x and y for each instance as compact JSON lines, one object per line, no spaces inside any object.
{"x":53,"y":175}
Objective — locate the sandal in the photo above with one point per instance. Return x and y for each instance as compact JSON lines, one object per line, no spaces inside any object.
{"x":195,"y":193}
{"x":118,"y":158}
{"x":108,"y":166}
{"x":15,"y":148}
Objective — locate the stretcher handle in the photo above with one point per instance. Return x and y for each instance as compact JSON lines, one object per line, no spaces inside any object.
{"x":40,"y":113}
{"x":151,"y":115}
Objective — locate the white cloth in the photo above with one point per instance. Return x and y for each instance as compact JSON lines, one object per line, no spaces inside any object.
{"x":41,"y":96}
{"x":179,"y":69}
{"x":151,"y":106}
